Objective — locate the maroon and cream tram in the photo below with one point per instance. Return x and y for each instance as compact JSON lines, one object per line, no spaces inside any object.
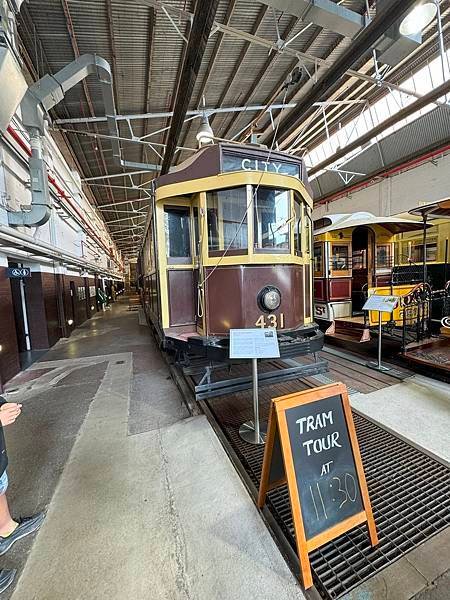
{"x":229,"y":245}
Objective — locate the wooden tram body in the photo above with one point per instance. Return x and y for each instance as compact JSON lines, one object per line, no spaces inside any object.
{"x":354,"y":254}
{"x":229,"y":245}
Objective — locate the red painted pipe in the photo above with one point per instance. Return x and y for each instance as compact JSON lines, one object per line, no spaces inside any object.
{"x":13,"y":133}
{"x":403,"y":167}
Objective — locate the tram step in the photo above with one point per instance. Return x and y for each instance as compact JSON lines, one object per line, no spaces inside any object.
{"x":351,"y":331}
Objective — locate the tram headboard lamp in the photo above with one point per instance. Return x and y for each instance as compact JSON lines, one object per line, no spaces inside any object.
{"x":418,"y":18}
{"x":205,"y":134}
{"x":269,"y":298}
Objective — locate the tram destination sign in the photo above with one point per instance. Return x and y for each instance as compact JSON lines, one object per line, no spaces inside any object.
{"x":18,"y":272}
{"x":311,"y":445}
{"x":236,"y":162}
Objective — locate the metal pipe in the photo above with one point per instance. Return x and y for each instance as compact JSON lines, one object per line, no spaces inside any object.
{"x":41,"y":248}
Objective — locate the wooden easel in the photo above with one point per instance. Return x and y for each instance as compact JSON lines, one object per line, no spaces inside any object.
{"x":278,"y":426}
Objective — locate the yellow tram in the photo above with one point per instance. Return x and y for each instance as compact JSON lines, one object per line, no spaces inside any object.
{"x":354,"y":255}
{"x":229,"y":245}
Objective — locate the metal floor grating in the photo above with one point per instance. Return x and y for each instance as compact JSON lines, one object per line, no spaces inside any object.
{"x":410,"y":494}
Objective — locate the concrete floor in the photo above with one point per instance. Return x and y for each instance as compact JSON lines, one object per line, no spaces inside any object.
{"x":418,"y":409}
{"x":142,"y":500}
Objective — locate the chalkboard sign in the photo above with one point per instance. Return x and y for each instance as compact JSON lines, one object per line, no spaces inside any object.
{"x":311,"y":444}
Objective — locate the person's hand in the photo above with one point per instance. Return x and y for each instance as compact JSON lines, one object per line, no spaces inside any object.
{"x":9,"y":412}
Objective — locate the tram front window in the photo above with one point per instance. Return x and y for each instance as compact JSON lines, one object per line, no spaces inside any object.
{"x":178,"y":238}
{"x":227,"y":221}
{"x":272,"y":214}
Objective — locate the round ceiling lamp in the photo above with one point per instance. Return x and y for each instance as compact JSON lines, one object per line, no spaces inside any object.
{"x":205,"y":134}
{"x":419,"y":18}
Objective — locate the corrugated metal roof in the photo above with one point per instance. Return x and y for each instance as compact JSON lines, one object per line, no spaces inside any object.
{"x":429,"y":130}
{"x":148,"y":54}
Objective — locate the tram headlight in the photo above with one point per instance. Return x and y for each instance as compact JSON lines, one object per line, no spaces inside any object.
{"x":269,"y":298}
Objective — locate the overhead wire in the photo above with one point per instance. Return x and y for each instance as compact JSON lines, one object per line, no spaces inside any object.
{"x":201,"y":284}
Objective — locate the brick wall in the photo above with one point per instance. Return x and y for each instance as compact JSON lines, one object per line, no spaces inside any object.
{"x":37,"y":319}
{"x":9,"y":356}
{"x":49,"y":292}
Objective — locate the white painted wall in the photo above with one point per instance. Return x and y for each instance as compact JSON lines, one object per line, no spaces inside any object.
{"x":75,"y":226}
{"x":398,"y":193}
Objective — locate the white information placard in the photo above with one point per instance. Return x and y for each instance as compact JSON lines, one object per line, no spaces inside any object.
{"x":381,"y":303}
{"x":254,"y":343}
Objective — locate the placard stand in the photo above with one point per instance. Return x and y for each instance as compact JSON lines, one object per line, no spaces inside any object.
{"x":254,"y":344}
{"x":380,"y":304}
{"x":377,"y":365}
{"x":252,"y":431}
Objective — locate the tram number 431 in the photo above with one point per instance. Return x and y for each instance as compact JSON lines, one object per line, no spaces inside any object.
{"x":276,"y":321}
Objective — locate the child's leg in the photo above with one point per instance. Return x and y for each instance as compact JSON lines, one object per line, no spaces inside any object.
{"x":7,"y":524}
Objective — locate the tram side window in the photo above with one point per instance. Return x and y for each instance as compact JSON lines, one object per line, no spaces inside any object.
{"x":178,"y":237}
{"x":339,"y":258}
{"x":196,"y":231}
{"x":227,"y":221}
{"x":383,"y":256}
{"x":417,"y":252}
{"x":318,"y":259}
{"x":271,"y":216}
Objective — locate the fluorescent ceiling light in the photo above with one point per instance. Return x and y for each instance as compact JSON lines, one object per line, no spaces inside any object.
{"x":419,"y":18}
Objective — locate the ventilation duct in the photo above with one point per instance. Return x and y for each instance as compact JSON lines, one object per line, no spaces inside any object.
{"x":392,"y":47}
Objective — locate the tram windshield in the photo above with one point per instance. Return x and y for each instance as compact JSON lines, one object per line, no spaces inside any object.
{"x":227,"y":221}
{"x":271,"y":219}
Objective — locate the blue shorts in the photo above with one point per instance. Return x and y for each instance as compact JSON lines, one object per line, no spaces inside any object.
{"x":3,"y":483}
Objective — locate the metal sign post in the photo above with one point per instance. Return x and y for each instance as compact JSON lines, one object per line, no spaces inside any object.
{"x":380,"y":304}
{"x":254,"y":344}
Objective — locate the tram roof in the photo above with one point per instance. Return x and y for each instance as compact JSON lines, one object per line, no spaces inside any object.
{"x":209,"y":162}
{"x":435,"y":209}
{"x":346,"y":220}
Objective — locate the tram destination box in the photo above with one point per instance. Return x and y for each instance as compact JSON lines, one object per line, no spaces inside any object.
{"x":311,"y":445}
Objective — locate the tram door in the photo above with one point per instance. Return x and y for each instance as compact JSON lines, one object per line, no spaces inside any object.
{"x":363,"y":252}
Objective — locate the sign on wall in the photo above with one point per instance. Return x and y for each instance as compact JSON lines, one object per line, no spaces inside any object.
{"x":311,"y":445}
{"x":91,"y":291}
{"x":18,"y":272}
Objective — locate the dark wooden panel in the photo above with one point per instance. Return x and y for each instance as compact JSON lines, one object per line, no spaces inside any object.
{"x":232,"y":293}
{"x":320,"y":289}
{"x":50,"y":291}
{"x":181,"y":297}
{"x":9,"y":355}
{"x":383,"y":280}
{"x":37,"y":319}
{"x":307,"y":290}
{"x":340,"y":289}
